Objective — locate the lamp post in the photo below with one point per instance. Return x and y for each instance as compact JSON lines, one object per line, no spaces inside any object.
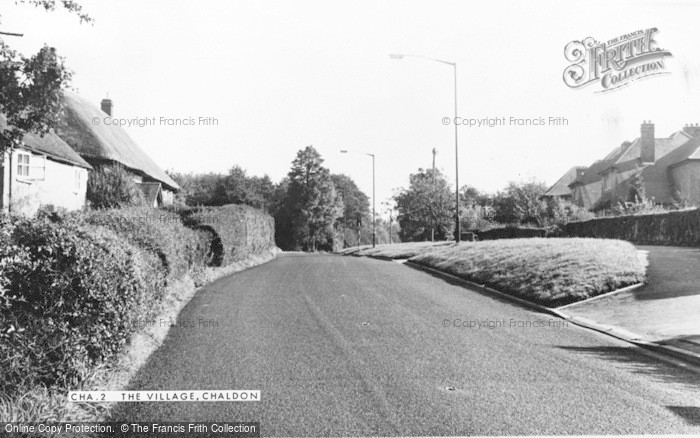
{"x":374,"y":215}
{"x":458,"y":236}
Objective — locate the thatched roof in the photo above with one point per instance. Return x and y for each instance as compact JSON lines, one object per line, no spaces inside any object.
{"x":50,"y":145}
{"x":100,"y":141}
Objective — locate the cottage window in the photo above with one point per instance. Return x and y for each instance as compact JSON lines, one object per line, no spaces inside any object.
{"x":31,"y":166}
{"x":608,"y":181}
{"x":23,"y":165}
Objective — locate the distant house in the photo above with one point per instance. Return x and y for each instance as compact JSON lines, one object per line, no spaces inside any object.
{"x":587,"y":188}
{"x":561,"y":188}
{"x":101,"y":143}
{"x":667,"y":168}
{"x":43,"y":170}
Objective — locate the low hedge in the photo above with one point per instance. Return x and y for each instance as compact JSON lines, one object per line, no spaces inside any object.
{"x":672,"y":228}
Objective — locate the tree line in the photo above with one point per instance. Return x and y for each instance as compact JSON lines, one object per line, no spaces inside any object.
{"x":314,"y":210}
{"x":426,"y":208}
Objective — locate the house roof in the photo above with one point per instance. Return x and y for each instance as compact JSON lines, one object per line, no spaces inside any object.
{"x":50,"y":145}
{"x":561,"y":187}
{"x":105,"y":141}
{"x":662,"y":146}
{"x":592,"y":174}
{"x":150,"y":191}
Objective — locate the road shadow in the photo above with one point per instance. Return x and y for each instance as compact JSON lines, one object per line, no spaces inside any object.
{"x":689,"y":414}
{"x":691,"y":343}
{"x":637,"y":362}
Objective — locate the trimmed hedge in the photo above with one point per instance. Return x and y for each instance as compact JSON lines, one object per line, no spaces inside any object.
{"x":75,"y":286}
{"x":237,"y":230}
{"x":673,"y":228}
{"x":158,"y":231}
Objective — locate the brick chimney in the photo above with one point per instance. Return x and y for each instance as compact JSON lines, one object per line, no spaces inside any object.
{"x":106,"y":105}
{"x":692,"y":130}
{"x":647,"y":142}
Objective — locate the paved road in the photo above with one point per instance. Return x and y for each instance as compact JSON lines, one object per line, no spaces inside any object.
{"x":349,"y":346}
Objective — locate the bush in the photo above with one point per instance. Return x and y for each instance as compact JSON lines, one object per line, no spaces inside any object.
{"x":71,"y":294}
{"x":111,"y":187}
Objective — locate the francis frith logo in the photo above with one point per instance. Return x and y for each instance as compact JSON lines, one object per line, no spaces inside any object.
{"x":615,"y":63}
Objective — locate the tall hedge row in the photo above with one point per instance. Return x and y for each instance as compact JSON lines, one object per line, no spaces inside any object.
{"x":238,"y":230}
{"x":74,"y":287}
{"x":673,"y":228}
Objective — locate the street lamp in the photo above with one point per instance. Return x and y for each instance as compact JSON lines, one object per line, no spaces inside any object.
{"x":454,"y":66}
{"x":374,"y":215}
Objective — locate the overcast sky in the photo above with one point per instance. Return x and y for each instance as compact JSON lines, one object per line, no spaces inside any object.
{"x":282,"y":75}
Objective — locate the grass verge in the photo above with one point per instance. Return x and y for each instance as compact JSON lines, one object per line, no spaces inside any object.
{"x":550,"y":272}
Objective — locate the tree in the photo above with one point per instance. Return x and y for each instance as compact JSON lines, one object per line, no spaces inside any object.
{"x":311,"y":206}
{"x":216,"y":189}
{"x":520,"y":203}
{"x":356,"y":203}
{"x":425,"y":206}
{"x":31,"y":88}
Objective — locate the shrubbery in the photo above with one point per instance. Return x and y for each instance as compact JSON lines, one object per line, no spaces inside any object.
{"x":75,"y":286}
{"x":160,"y":232}
{"x":70,"y":294}
{"x":112,"y":186}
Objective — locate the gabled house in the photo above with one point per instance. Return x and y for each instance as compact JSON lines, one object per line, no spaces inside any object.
{"x":561,"y":188}
{"x":587,"y":188}
{"x":668,"y":169}
{"x":104,"y":143}
{"x":43,"y":170}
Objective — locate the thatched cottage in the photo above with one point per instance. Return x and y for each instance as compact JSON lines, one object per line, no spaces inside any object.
{"x":43,"y":170}
{"x":101,"y":143}
{"x":54,"y":169}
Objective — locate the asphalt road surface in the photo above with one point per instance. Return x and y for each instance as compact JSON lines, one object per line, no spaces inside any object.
{"x":344,"y":346}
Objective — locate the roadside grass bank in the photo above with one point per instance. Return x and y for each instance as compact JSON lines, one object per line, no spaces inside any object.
{"x":85,"y":297}
{"x":547,"y":271}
